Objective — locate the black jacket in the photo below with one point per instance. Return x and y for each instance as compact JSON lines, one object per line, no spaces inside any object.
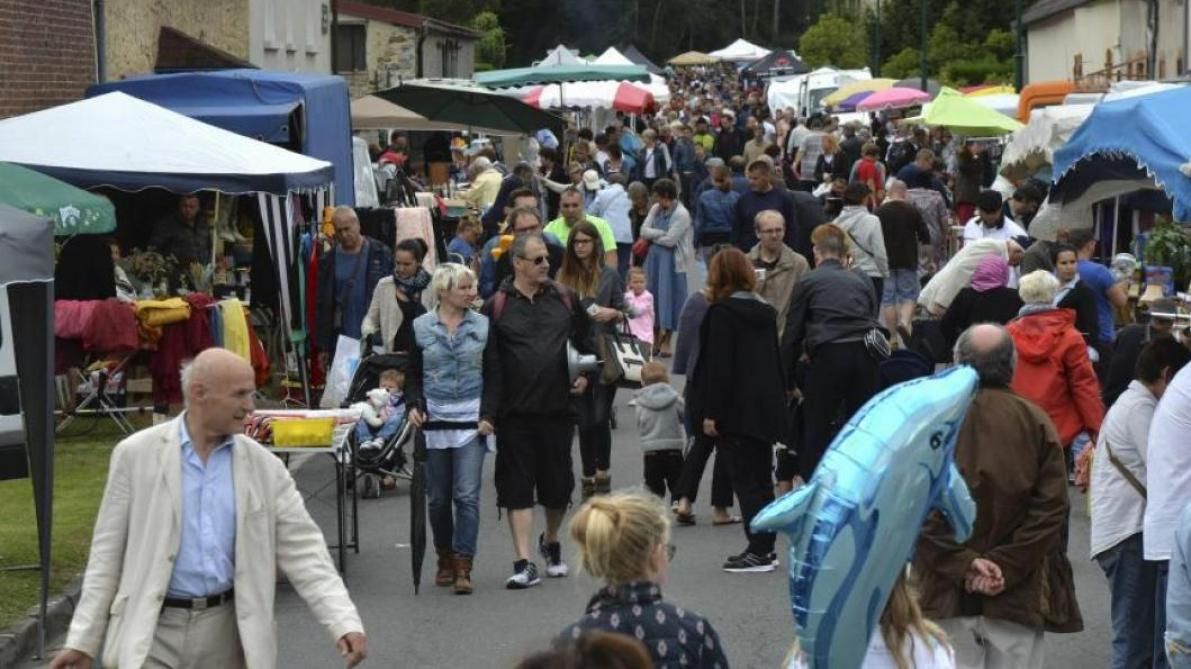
{"x":738,"y":375}
{"x":999,"y":305}
{"x":380,"y":265}
{"x":830,"y":305}
{"x":673,"y":637}
{"x":744,"y":229}
{"x":525,"y":359}
{"x":1083,"y":302}
{"x":728,"y":143}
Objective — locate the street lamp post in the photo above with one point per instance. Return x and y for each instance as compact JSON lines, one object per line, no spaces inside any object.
{"x":1018,"y":54}
{"x":922,"y":63}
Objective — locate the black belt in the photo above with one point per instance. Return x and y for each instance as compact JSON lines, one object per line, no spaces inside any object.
{"x":432,"y":425}
{"x":200,"y":603}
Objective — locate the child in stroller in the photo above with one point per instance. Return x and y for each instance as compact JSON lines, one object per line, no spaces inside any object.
{"x":378,"y":451}
{"x":383,"y":413}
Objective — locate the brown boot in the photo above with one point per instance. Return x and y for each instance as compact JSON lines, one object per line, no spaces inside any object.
{"x":446,"y":568}
{"x":463,"y":576}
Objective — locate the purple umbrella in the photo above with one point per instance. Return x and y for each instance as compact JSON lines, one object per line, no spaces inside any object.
{"x":850,"y":102}
{"x":893,"y":98}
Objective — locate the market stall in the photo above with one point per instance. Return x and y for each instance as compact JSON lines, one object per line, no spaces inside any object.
{"x":1124,"y":146}
{"x":121,"y":142}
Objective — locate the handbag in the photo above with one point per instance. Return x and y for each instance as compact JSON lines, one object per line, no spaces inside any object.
{"x":623,"y":358}
{"x":640,"y":248}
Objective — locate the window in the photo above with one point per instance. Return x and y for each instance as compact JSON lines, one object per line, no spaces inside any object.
{"x":349,"y":48}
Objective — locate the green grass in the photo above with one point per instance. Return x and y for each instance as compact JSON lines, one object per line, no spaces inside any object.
{"x":80,"y":469}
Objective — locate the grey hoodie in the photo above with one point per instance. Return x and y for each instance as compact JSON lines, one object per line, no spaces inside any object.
{"x":659,"y":418}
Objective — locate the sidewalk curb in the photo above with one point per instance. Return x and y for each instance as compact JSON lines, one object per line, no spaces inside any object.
{"x":18,"y":642}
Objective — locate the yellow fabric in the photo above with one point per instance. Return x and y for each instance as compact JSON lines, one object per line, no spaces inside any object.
{"x":235,"y":328}
{"x":156,"y":313}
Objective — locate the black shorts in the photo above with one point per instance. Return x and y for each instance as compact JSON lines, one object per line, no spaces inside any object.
{"x":534,"y":453}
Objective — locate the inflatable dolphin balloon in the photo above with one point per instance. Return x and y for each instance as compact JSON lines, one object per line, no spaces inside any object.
{"x":852,"y":528}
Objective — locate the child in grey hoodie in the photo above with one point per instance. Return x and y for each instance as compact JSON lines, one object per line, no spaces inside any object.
{"x":659,"y":422}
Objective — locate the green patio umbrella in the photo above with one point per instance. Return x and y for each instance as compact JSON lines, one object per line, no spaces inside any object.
{"x":73,"y":210}
{"x":964,"y":116}
{"x":561,"y":74}
{"x":468,"y":104}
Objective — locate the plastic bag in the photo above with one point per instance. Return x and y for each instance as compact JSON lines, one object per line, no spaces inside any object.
{"x":339,"y":377}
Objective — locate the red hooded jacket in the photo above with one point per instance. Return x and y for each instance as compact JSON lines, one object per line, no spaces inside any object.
{"x":1054,"y":372}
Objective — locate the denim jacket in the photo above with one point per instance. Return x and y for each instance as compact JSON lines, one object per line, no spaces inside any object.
{"x":447,"y":369}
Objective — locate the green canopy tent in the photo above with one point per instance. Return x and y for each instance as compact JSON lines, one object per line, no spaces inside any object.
{"x":561,"y":74}
{"x":467,"y":104}
{"x":964,"y":116}
{"x":73,"y":210}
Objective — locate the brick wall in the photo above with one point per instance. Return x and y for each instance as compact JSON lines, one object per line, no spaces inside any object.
{"x":47,"y":53}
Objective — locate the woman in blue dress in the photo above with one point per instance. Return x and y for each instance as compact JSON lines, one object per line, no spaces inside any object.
{"x":670,"y":261}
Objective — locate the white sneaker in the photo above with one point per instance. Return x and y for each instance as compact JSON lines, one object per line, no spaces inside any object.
{"x":552,"y":554}
{"x":525,"y":577}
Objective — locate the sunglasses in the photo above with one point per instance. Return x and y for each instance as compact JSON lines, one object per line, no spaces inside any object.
{"x":537,"y":260}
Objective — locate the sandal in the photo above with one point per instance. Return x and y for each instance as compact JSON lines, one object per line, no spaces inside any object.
{"x":686,"y":519}
{"x":732,"y":520}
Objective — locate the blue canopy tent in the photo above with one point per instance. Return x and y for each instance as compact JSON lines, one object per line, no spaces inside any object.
{"x":306,"y":113}
{"x":1128,"y":145}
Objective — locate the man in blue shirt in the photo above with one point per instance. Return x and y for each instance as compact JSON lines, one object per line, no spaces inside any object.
{"x":715,"y":210}
{"x":762,"y":196}
{"x":347,"y":274}
{"x":1108,"y":294}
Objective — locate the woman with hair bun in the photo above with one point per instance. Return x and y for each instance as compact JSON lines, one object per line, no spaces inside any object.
{"x":623,"y":538}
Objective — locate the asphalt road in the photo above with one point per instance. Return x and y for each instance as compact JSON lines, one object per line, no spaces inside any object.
{"x":496,"y":627}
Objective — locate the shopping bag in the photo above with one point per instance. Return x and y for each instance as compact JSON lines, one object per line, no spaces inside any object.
{"x":623,"y":356}
{"x":339,"y":377}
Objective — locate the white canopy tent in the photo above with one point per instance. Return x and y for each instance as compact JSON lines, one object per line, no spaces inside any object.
{"x":612,"y":56}
{"x":126,"y":143}
{"x":740,"y":51}
{"x":561,"y":55}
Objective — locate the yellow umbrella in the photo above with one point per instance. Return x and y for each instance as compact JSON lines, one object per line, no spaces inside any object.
{"x":992,"y":90}
{"x":848,"y":90}
{"x":693,"y":58}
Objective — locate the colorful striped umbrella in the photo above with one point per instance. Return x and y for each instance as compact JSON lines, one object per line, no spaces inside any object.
{"x":849,"y":90}
{"x":893,"y":98}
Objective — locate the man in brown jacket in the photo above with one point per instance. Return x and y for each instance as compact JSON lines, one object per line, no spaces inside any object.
{"x":778,"y":267}
{"x":988,"y":593}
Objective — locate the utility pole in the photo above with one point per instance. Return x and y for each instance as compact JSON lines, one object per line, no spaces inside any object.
{"x":877,"y":43}
{"x":1019,"y":56}
{"x":922,"y":62}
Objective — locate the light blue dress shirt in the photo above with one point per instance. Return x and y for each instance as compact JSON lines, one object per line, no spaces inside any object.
{"x":206,"y":560}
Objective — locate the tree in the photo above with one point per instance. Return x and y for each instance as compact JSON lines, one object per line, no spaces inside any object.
{"x":835,"y":41}
{"x":490,"y":50}
{"x":903,"y":64}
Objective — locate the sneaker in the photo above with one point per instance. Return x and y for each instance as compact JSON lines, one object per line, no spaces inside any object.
{"x":552,"y":554}
{"x":774,"y":560}
{"x":748,"y":563}
{"x":525,"y":575}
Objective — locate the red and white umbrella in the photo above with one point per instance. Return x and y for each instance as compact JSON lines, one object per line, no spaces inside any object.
{"x":619,"y":95}
{"x":893,"y":98}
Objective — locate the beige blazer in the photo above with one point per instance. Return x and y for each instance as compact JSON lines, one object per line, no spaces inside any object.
{"x":138,"y":532}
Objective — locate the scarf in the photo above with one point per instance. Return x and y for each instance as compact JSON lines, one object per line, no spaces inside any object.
{"x":414,"y":285}
{"x":992,"y":272}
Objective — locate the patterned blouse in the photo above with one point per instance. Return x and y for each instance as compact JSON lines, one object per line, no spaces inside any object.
{"x":673,"y":636}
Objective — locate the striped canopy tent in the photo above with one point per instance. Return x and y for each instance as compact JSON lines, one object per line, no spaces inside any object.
{"x":123,"y":142}
{"x":617,"y":95}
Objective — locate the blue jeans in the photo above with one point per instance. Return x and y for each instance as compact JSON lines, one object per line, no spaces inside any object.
{"x":1131,"y":584}
{"x":453,"y":477}
{"x":365,"y":432}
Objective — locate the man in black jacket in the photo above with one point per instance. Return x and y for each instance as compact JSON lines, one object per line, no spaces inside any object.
{"x":730,"y":141}
{"x":762,"y":196}
{"x":831,"y":312}
{"x":347,"y":274}
{"x":527,"y":396}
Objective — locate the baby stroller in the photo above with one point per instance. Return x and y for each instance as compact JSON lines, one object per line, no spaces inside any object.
{"x":390,"y":460}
